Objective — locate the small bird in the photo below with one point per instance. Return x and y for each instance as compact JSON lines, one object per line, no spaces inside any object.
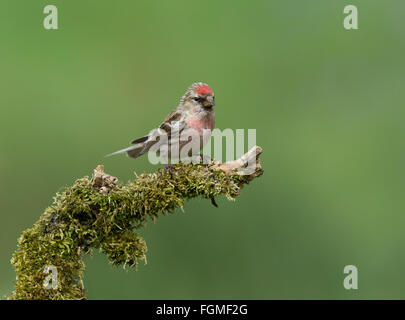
{"x":189,"y":124}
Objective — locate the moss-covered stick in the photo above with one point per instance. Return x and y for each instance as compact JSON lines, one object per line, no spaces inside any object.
{"x":103,"y":214}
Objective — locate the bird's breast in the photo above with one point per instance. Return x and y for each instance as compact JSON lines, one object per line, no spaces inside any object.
{"x":199,"y":123}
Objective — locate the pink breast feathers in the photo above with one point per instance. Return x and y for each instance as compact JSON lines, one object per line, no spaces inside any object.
{"x":201,"y":124}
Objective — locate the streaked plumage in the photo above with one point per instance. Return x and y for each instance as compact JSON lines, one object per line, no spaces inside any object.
{"x":193,"y":116}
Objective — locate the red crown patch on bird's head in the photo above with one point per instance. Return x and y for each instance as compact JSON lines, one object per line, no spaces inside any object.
{"x":204,"y":89}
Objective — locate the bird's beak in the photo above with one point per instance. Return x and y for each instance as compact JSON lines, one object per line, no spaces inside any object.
{"x":209,"y":102}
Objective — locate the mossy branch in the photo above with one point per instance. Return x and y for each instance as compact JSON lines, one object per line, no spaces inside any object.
{"x":101,"y":213}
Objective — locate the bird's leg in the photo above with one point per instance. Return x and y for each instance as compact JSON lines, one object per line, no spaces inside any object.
{"x":205,"y":159}
{"x":200,"y":159}
{"x":168,"y":168}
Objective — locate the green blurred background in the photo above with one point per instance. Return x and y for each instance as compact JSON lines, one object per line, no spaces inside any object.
{"x":327,"y":103}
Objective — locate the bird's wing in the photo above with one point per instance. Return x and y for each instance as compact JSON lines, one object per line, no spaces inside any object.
{"x":174,"y":124}
{"x":166,"y":125}
{"x":139,"y":140}
{"x":170,"y":128}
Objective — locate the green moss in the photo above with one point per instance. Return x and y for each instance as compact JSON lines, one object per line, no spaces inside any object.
{"x":81,"y":218}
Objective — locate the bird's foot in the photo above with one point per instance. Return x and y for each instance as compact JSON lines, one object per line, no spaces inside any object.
{"x":205,"y":159}
{"x":168,"y":168}
{"x":200,"y":159}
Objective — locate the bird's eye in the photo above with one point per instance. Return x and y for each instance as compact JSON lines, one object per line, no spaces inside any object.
{"x":197,"y":99}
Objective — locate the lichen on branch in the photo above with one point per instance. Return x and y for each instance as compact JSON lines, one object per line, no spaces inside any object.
{"x":103,"y":214}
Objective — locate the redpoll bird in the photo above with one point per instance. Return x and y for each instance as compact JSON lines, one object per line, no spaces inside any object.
{"x":190,"y":124}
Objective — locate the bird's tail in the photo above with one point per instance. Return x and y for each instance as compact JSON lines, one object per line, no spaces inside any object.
{"x":132,"y":151}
